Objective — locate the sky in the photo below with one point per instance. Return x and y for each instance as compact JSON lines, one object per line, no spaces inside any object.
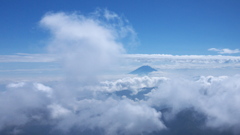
{"x":65,"y":67}
{"x":175,"y":27}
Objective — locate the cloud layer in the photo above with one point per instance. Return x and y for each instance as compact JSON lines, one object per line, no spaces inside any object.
{"x":224,"y":51}
{"x":118,"y":65}
{"x":86,"y":110}
{"x":194,"y":59}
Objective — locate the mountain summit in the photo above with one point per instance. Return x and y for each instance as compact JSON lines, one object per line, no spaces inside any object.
{"x":143,"y":70}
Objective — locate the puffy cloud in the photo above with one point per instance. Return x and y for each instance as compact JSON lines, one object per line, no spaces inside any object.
{"x":131,"y":83}
{"x":21,"y":104}
{"x":18,"y":102}
{"x":132,"y":118}
{"x":43,"y":88}
{"x":215,"y":97}
{"x":86,"y":44}
{"x":16,"y":85}
{"x":112,"y":115}
{"x":224,"y":51}
{"x":57,"y":110}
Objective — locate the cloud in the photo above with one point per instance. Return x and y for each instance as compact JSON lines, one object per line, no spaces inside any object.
{"x":16,"y":85}
{"x":163,"y":62}
{"x":224,"y":51}
{"x":111,"y":115}
{"x":117,"y":65}
{"x":87,"y":109}
{"x":131,"y":83}
{"x":57,"y":111}
{"x":23,"y":57}
{"x":133,"y":57}
{"x":86,"y":44}
{"x":216,"y":98}
{"x":202,"y":59}
{"x":23,"y":103}
{"x":18,"y":102}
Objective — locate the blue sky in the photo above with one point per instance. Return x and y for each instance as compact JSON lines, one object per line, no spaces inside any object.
{"x":178,"y":27}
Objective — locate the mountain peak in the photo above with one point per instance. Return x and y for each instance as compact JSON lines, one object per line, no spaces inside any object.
{"x":143,"y":70}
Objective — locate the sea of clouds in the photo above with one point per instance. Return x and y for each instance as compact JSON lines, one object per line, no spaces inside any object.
{"x":86,"y":46}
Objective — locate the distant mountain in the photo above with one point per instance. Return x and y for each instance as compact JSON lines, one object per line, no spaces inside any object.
{"x":143,"y":70}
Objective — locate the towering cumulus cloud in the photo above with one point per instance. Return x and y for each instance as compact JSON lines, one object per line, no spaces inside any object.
{"x":86,"y":44}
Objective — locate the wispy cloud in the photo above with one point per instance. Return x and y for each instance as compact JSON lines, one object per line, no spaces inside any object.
{"x":224,"y":51}
{"x":183,"y":58}
{"x":127,"y":62}
{"x":24,"y":57}
{"x":183,"y":61}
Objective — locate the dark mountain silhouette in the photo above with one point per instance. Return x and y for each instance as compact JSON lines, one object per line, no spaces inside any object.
{"x":143,"y":70}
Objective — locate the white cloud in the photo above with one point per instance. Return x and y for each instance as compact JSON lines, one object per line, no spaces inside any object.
{"x":167,"y":61}
{"x":144,"y":58}
{"x":204,"y":59}
{"x":131,"y":83}
{"x":16,"y":85}
{"x":85,"y":44}
{"x":224,"y":51}
{"x":57,"y":111}
{"x":113,"y":116}
{"x":68,"y":107}
{"x":42,"y":87}
{"x":18,"y":102}
{"x":215,"y":97}
{"x":132,"y":118}
{"x":23,"y":57}
{"x":109,"y":15}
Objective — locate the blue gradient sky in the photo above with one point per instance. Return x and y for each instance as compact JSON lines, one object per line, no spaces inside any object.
{"x":163,"y":26}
